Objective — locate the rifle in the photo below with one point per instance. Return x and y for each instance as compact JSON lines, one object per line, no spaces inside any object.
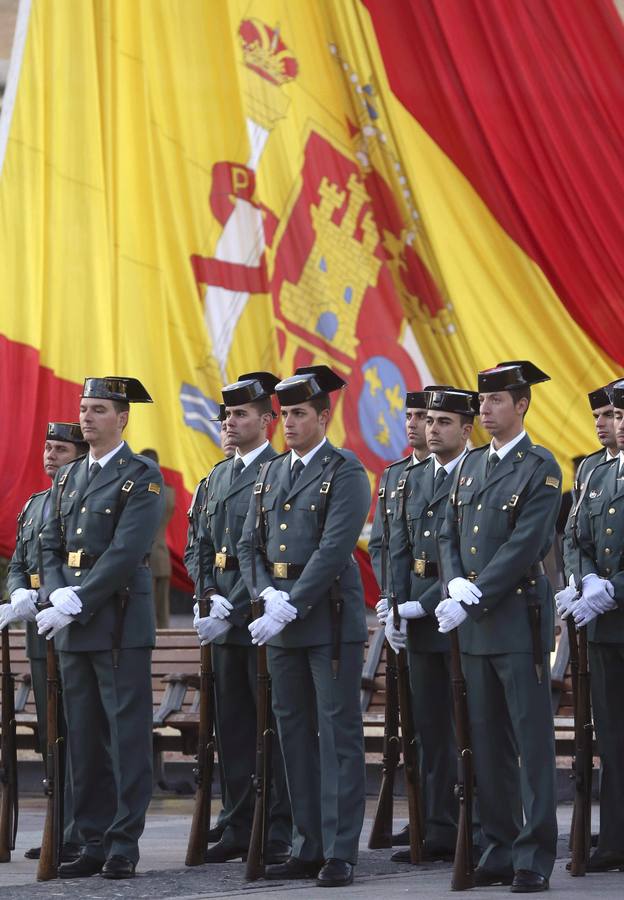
{"x":200,"y":824}
{"x":463,"y":868}
{"x":381,"y":832}
{"x":54,"y":782}
{"x":255,"y":865}
{"x":8,"y":757}
{"x":580,"y":836}
{"x":410,"y":750}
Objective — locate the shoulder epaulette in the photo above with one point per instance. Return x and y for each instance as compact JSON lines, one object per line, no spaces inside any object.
{"x":399,"y":462}
{"x":24,"y":510}
{"x":542,"y":452}
{"x":64,"y":471}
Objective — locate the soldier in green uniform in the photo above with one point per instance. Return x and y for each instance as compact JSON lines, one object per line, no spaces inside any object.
{"x":499,"y":526}
{"x":190,"y":561}
{"x":415,"y":418}
{"x":305,"y":517}
{"x":248,"y":415}
{"x":64,"y":443}
{"x":419,"y":514}
{"x":105,"y":510}
{"x":602,"y":411}
{"x":599,"y":564}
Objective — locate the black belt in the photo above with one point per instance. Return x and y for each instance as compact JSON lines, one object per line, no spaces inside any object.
{"x":226,"y":562}
{"x":534,"y":572}
{"x":425,"y":568}
{"x":285,"y":570}
{"x":78,"y":559}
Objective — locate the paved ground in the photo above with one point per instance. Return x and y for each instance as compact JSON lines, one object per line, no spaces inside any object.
{"x":163,"y":876}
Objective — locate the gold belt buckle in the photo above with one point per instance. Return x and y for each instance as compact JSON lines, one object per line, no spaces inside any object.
{"x":73,"y":559}
{"x":419,"y":567}
{"x":35,"y":581}
{"x":280,"y":570}
{"x":220,"y":560}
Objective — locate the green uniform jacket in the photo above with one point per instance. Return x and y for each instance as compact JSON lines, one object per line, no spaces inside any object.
{"x":601,"y":528}
{"x":25,"y":562}
{"x":385,"y":503}
{"x":193,"y":515}
{"x":413,"y":537}
{"x":90,"y":519}
{"x":292,"y":535}
{"x":480,"y":538}
{"x":583,"y":472}
{"x":220,"y":527}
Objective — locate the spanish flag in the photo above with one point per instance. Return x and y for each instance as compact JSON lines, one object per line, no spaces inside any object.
{"x":407,"y":191}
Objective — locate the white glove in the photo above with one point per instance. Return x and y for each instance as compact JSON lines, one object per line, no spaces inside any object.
{"x":411,"y":610}
{"x":66,"y":600}
{"x":583,"y":612}
{"x":7,"y":615}
{"x":464,"y":591}
{"x":599,"y":593}
{"x":449,"y":614}
{"x":565,"y":599}
{"x":382,"y":610}
{"x":220,"y":607}
{"x":209,"y":628}
{"x":265,"y":628}
{"x":51,"y":620}
{"x":24,"y":604}
{"x":276,"y":604}
{"x":396,"y":637}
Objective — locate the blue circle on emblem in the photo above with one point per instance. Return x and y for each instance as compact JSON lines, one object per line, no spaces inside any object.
{"x":381,"y":408}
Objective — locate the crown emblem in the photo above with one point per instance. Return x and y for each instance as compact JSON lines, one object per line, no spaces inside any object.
{"x":265,"y":53}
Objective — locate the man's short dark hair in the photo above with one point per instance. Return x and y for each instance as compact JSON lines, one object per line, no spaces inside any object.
{"x":465,"y":420}
{"x":521,"y":393}
{"x":320,"y":402}
{"x":151,"y":454}
{"x":121,"y":406}
{"x":263,"y":406}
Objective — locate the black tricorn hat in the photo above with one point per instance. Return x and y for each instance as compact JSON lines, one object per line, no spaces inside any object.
{"x":249,"y":387}
{"x":615,"y":391}
{"x":506,"y":376}
{"x":115,"y":387}
{"x":418,"y":399}
{"x":599,"y":398}
{"x":454,"y":400}
{"x":307,"y":382}
{"x":220,"y":417}
{"x":69,"y":432}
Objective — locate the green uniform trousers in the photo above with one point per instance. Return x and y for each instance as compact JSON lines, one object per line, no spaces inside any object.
{"x":320,"y":728}
{"x":236,"y":688}
{"x":432,"y":708}
{"x":513,"y":742}
{"x":39,"y":673}
{"x":109,"y":720}
{"x":606,"y":665}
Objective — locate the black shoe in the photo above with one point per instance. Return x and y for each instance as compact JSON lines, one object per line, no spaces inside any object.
{"x":118,"y":867}
{"x":429,"y":853}
{"x":215,"y":834}
{"x":82,"y":867}
{"x":488,"y":877}
{"x":605,"y":861}
{"x":335,"y":873}
{"x":222,"y":852}
{"x":527,"y":882}
{"x":293,"y":868}
{"x":69,"y":852}
{"x":276,"y":853}
{"x":401,"y":838}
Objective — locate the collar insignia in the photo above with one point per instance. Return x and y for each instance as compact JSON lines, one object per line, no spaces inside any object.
{"x":469,"y":480}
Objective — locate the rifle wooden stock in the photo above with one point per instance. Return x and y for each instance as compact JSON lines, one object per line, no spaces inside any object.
{"x":255,"y":865}
{"x":8,"y":757}
{"x":52,"y":840}
{"x":583,"y":763}
{"x":200,"y":824}
{"x":381,"y":832}
{"x":463,"y":869}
